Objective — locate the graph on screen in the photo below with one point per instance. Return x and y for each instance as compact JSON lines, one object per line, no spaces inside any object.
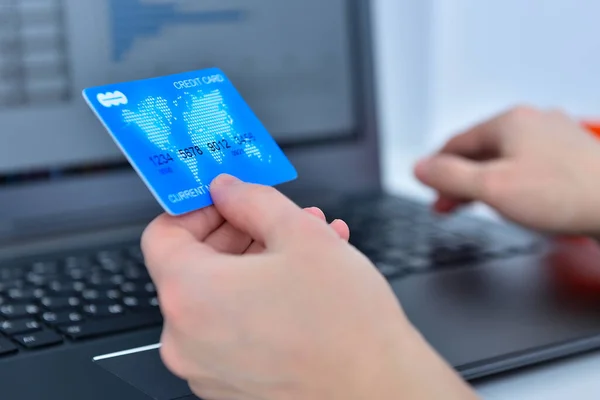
{"x":284,"y":67}
{"x":133,"y":19}
{"x":33,"y":55}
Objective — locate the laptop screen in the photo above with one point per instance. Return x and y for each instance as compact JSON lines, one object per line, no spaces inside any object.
{"x":292,"y":61}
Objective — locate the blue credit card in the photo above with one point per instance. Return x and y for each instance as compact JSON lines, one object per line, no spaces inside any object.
{"x":179,"y":132}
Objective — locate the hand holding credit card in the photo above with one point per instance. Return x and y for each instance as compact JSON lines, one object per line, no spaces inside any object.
{"x":179,"y":132}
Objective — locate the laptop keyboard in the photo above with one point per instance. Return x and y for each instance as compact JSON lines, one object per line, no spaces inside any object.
{"x":99,"y":293}
{"x":402,"y":237}
{"x":78,"y":297}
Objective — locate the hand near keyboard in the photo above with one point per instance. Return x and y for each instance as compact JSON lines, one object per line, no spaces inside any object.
{"x":302,"y":315}
{"x":539,"y":169}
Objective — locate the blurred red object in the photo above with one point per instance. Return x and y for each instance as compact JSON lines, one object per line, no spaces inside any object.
{"x":575,"y":261}
{"x":593,"y":127}
{"x":575,"y":267}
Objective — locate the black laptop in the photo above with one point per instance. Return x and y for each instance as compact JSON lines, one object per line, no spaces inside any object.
{"x":79,"y":315}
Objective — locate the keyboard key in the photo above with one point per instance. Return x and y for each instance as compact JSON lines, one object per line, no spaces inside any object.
{"x":102,"y":281}
{"x":129,"y":287}
{"x":131,"y":302}
{"x":65,"y":288}
{"x":36,"y":279}
{"x":6,"y":347}
{"x":24,"y":295}
{"x":149,"y":288}
{"x":103,"y":310}
{"x":138,"y":289}
{"x":118,"y":324}
{"x":109,"y":255}
{"x":18,"y":311}
{"x":135,"y":272}
{"x":45,"y":267}
{"x":39,"y":339}
{"x":117,"y":280}
{"x":76,"y":286}
{"x":19,"y":326}
{"x":6,"y":285}
{"x":101,"y":297}
{"x":90,"y":294}
{"x":143,"y":303}
{"x":61,"y":317}
{"x":60,"y":303}
{"x":113,"y":294}
{"x":112,"y":266}
{"x":77,"y":274}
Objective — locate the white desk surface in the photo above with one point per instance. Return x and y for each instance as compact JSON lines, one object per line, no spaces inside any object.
{"x":573,"y":378}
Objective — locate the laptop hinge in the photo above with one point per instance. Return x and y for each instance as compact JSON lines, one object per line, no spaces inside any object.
{"x":70,"y":242}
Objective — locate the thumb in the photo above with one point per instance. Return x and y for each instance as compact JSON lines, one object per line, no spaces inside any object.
{"x":260,"y":211}
{"x":454,"y":176}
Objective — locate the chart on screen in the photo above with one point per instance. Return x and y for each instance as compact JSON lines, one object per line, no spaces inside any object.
{"x":284,"y":68}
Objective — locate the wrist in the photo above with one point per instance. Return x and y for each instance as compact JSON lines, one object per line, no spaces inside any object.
{"x":415,"y":371}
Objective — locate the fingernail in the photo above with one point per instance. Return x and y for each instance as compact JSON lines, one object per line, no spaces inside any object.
{"x":225,"y":180}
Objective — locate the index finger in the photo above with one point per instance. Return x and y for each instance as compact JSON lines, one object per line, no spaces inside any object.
{"x":263,"y":212}
{"x":485,"y":140}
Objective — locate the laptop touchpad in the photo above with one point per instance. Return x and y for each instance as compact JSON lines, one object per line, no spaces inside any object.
{"x":144,"y":370}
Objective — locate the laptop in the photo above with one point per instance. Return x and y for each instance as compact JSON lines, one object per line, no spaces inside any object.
{"x":79,"y":316}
